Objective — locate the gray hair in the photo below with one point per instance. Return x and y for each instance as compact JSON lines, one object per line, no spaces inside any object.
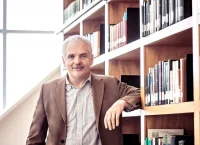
{"x":75,"y":38}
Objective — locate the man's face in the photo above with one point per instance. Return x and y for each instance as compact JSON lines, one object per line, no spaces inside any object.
{"x":78,"y":60}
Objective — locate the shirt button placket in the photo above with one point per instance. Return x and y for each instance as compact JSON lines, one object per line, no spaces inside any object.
{"x":79,"y":117}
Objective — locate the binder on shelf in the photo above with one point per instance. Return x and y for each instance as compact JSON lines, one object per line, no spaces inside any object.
{"x":189,"y":77}
{"x":132,"y":27}
{"x":102,"y":39}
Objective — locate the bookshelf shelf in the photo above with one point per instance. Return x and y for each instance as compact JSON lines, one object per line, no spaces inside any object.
{"x":130,"y":51}
{"x":99,"y":69}
{"x":100,"y":66}
{"x":77,"y":16}
{"x":96,"y":13}
{"x":99,"y":60}
{"x":186,"y":107}
{"x":132,"y":113}
{"x":72,"y":29}
{"x":177,"y":34}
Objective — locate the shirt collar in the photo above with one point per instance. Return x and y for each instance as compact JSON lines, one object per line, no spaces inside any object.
{"x":70,"y":86}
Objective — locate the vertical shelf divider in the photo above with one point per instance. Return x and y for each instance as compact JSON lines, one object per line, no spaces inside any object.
{"x":196,"y":71}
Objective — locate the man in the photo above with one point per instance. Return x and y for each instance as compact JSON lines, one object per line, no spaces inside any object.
{"x":81,"y":108}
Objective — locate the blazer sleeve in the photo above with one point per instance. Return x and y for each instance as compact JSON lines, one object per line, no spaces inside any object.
{"x":129,"y":94}
{"x":39,"y":126}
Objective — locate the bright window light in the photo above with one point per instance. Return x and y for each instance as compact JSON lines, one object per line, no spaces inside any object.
{"x":30,"y":58}
{"x":1,"y":72}
{"x":34,"y":14}
{"x":1,"y":14}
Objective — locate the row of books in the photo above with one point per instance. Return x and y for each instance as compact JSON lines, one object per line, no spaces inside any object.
{"x":159,"y":14}
{"x":72,"y":9}
{"x":97,"y":40}
{"x":87,"y":3}
{"x":168,"y":137}
{"x":170,"y":82}
{"x":171,"y":140}
{"x":126,"y":31}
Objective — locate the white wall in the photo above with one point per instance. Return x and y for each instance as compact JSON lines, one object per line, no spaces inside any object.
{"x":15,"y":122}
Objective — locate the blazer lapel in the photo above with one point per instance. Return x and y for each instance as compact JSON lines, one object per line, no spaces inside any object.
{"x":97,"y":92}
{"x":60,"y":96}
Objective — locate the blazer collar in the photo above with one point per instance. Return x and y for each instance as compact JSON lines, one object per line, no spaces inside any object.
{"x":60,"y":96}
{"x":97,"y":92}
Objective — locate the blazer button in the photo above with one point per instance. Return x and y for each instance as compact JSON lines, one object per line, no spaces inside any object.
{"x":62,"y":141}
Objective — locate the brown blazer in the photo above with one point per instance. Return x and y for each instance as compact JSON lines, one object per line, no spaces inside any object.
{"x":51,"y":114}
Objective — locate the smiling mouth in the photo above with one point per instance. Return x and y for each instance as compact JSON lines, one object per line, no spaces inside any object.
{"x":78,"y":68}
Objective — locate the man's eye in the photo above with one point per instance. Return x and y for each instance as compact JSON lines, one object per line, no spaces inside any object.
{"x":70,"y":57}
{"x":83,"y":56}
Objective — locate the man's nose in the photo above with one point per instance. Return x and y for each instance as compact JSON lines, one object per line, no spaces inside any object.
{"x":77,"y":60}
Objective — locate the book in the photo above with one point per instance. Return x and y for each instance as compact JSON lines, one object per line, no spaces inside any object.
{"x":102,"y":39}
{"x":152,"y":133}
{"x":132,"y":24}
{"x":189,"y":77}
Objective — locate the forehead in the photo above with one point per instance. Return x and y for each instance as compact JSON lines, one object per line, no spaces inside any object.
{"x":77,"y":46}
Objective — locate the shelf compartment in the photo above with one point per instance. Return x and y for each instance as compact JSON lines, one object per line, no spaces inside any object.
{"x":76,"y":17}
{"x":132,"y":113}
{"x":163,"y":53}
{"x":186,"y":107}
{"x":131,"y":125}
{"x":172,"y":121}
{"x":99,"y":68}
{"x":72,"y":29}
{"x":98,"y":60}
{"x":97,"y":14}
{"x":130,"y":51}
{"x":178,"y":34}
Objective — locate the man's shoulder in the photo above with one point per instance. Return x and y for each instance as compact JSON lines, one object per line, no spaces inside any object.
{"x":55,"y":81}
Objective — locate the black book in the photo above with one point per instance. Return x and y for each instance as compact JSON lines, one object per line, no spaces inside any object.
{"x":185,"y":9}
{"x":189,"y":77}
{"x":145,"y":19}
{"x":102,"y":39}
{"x":143,"y":16}
{"x":133,"y":24}
{"x":163,"y":14}
{"x":160,"y":15}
